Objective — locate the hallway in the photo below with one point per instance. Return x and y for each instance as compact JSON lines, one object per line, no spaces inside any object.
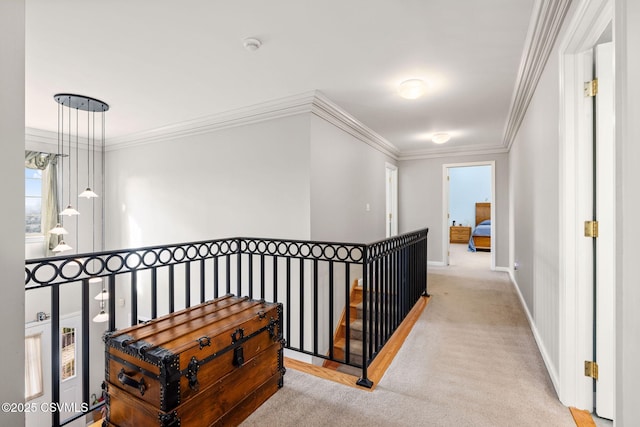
{"x":471,"y":359}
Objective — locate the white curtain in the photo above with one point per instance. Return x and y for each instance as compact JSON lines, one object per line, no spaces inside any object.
{"x":33,"y":367}
{"x":48,"y":164}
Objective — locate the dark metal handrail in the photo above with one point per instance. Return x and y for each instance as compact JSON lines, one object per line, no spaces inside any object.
{"x":311,"y":278}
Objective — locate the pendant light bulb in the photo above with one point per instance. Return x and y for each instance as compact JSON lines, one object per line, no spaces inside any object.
{"x":62,"y":246}
{"x":102,"y":296}
{"x":58,"y":230}
{"x":101,"y":317}
{"x":88,"y":194}
{"x":69,"y":211}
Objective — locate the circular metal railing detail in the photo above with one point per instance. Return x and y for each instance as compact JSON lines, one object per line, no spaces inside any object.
{"x":65,"y":269}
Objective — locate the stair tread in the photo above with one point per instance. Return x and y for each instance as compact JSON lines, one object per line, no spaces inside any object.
{"x":355,"y":346}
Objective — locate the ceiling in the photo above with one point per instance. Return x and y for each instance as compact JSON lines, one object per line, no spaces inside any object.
{"x":163,"y":62}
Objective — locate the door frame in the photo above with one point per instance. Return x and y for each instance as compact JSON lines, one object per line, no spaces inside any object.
{"x":575,"y":200}
{"x":445,"y":207}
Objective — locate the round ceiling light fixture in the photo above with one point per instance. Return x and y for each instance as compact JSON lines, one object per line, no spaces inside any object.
{"x":251,"y":44}
{"x":440,"y":138}
{"x":412,"y":88}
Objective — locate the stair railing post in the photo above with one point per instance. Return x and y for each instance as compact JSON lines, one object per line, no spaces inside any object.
{"x":423,"y":263}
{"x":364,"y":381}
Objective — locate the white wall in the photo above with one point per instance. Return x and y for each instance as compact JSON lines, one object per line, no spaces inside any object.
{"x":244,"y":181}
{"x":12,"y":56}
{"x":346,"y":176}
{"x":534,"y":177}
{"x":627,"y":39}
{"x":420,"y":201}
{"x":468,"y":186}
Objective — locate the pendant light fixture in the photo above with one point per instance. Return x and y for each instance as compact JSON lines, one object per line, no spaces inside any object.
{"x":101,"y":317}
{"x":70,"y":102}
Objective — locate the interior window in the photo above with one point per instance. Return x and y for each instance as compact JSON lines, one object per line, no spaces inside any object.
{"x":33,"y":367}
{"x":33,"y":201}
{"x":68,"y":353}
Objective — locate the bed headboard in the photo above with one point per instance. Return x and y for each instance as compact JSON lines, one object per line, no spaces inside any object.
{"x":483,"y":211}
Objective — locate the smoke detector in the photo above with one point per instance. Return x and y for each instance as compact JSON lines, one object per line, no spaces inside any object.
{"x":251,"y":44}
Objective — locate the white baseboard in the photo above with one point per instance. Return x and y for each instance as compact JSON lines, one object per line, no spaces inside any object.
{"x":543,"y":350}
{"x":505,"y":270}
{"x":436,"y":264}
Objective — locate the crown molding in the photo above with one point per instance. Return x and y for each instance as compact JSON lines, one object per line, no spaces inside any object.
{"x":546,"y":21}
{"x":40,"y":136}
{"x":313,"y":102}
{"x":270,"y":110}
{"x":332,"y":113}
{"x":452,"y":152}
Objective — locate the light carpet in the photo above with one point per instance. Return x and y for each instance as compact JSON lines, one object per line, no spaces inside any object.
{"x":470,"y":360}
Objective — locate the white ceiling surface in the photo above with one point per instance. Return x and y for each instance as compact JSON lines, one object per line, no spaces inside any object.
{"x":160,"y":63}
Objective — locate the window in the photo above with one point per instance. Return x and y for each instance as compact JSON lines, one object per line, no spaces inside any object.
{"x":33,"y":386}
{"x":68,"y":367}
{"x":33,"y":201}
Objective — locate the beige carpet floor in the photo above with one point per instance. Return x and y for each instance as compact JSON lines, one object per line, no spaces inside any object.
{"x":470,"y":360}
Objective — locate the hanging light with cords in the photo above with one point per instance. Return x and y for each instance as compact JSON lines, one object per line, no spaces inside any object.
{"x":70,"y":102}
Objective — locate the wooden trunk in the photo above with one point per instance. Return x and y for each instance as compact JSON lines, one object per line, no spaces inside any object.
{"x":201,"y":366}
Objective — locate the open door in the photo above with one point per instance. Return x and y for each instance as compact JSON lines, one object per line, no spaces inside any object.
{"x":604,"y":243}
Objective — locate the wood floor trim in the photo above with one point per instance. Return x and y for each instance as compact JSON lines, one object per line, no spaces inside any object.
{"x":379,"y":365}
{"x":582,"y":417}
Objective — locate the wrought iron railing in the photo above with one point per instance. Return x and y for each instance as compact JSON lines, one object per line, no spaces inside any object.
{"x":312,"y":280}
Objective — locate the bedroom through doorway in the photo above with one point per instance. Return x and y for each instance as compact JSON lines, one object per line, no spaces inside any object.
{"x":469,"y":227}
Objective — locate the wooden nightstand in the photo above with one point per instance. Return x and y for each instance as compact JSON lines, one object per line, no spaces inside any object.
{"x":459,"y":234}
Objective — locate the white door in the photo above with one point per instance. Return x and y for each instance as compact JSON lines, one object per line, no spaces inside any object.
{"x":391,"y":215}
{"x":38,"y":361}
{"x":70,"y":373}
{"x":605,"y":243}
{"x":71,"y":367}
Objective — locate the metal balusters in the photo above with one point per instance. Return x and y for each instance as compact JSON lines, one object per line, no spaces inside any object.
{"x":331,"y":326}
{"x":202,"y":281}
{"x":134,"y":297}
{"x":172,"y":285}
{"x":154,"y":292}
{"x":288,"y":301}
{"x":187,"y":285}
{"x":315,"y":306}
{"x":393,"y":277}
{"x":216,"y":279}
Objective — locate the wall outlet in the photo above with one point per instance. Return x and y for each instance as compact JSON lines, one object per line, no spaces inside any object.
{"x":367,"y":207}
{"x":121,"y":302}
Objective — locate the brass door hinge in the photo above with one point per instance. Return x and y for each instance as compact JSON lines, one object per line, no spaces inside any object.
{"x":591,"y":88}
{"x":591,"y":229}
{"x":591,"y":369}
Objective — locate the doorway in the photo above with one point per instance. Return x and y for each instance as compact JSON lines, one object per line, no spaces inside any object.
{"x":587,"y":189}
{"x":468,"y":190}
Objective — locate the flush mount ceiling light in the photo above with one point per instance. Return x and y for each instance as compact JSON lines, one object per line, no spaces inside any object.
{"x":440,"y":138}
{"x":251,"y":44}
{"x":412,"y":88}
